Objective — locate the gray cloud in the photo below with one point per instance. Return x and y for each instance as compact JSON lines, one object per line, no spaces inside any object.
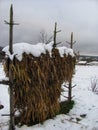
{"x":79,"y":16}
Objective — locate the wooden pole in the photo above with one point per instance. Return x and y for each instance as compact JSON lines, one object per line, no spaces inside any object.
{"x":55,"y":34}
{"x":11,"y":23}
{"x":11,"y":31}
{"x":12,"y":123}
{"x":55,"y":29}
{"x":71,"y":43}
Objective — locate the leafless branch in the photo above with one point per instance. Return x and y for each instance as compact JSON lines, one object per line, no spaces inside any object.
{"x":5,"y":82}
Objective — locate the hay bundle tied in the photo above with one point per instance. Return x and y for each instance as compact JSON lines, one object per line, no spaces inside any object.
{"x":38,"y":72}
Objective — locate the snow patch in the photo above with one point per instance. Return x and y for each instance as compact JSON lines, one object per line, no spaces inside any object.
{"x":35,"y":50}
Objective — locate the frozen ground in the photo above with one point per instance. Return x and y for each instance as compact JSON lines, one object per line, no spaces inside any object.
{"x":84,"y":115}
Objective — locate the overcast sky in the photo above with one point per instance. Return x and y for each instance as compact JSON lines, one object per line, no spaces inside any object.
{"x":77,"y":16}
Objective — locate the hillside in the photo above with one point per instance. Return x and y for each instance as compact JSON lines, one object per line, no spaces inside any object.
{"x":88,"y":57}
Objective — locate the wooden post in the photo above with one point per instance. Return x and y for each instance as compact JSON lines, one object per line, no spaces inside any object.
{"x":55,"y":34}
{"x":11,"y":23}
{"x":70,"y":91}
{"x":11,"y":31}
{"x":55,"y":29}
{"x":71,"y":43}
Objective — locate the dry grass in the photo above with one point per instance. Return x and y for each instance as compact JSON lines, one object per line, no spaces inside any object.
{"x":37,"y":84}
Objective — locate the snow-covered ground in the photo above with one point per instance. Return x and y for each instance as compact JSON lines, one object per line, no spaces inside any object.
{"x":83,"y":116}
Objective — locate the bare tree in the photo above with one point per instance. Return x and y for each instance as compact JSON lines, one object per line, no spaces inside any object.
{"x":44,"y":38}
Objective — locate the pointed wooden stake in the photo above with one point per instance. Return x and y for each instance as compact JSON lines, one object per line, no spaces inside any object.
{"x":11,"y":23}
{"x":71,"y":43}
{"x":55,"y":34}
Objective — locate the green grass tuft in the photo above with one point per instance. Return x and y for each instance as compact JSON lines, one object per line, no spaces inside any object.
{"x":66,"y":106}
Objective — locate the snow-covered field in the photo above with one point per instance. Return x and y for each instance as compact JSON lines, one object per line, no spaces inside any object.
{"x":84,"y":115}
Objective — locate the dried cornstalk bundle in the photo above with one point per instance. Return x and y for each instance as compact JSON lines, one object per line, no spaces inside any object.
{"x":37,"y":84}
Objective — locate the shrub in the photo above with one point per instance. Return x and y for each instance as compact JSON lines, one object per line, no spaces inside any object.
{"x":94,"y":85}
{"x":66,"y":106}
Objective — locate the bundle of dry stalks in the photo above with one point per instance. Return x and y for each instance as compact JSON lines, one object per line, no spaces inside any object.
{"x":37,"y":84}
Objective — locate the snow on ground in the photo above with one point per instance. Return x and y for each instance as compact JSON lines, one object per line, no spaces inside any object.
{"x":4,"y":98}
{"x":86,"y":100}
{"x":82,"y":117}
